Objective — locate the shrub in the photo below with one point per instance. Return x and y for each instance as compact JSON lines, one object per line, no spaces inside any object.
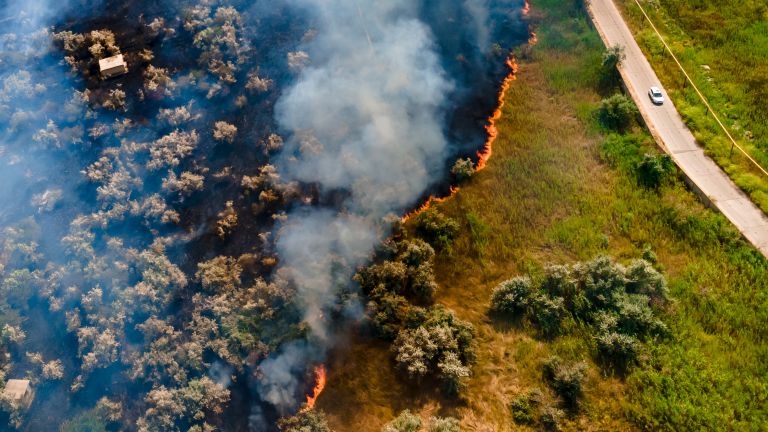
{"x":635,"y":316}
{"x":599,"y":279}
{"x":388,"y":276}
{"x":522,"y":410}
{"x":422,"y":285}
{"x":558,"y":282}
{"x":653,"y":170}
{"x":642,"y":278}
{"x":551,"y":418}
{"x":566,"y":380}
{"x":617,"y":112}
{"x":512,"y":297}
{"x":437,"y":229}
{"x":444,"y":424}
{"x":89,"y":421}
{"x":405,"y":422}
{"x":304,"y":421}
{"x":387,"y":314}
{"x":618,"y":349}
{"x":548,"y":313}
{"x":609,"y":73}
{"x":463,"y":169}
{"x":441,"y":345}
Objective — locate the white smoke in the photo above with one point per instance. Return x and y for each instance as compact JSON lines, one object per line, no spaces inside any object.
{"x":366,"y":117}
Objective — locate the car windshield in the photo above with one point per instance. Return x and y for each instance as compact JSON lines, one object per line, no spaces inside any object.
{"x":656,"y":92}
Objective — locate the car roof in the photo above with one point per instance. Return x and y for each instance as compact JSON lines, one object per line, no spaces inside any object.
{"x":655,"y":89}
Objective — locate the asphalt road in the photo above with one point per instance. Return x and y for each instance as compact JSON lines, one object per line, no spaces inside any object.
{"x":673,"y":136}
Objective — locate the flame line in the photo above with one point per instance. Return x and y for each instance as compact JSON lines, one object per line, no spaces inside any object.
{"x":320,"y":380}
{"x":487,"y":151}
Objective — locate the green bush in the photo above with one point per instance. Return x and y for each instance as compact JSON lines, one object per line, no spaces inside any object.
{"x":463,"y":169}
{"x":618,"y":349}
{"x":444,"y":424}
{"x":548,"y":314}
{"x":437,"y":229}
{"x":522,"y":410}
{"x":609,"y":77}
{"x":617,"y":113}
{"x":567,"y":380}
{"x":551,"y":418}
{"x":404,"y":422}
{"x":512,"y":297}
{"x":616,"y":302}
{"x":440,"y":346}
{"x":89,"y":421}
{"x":304,"y":421}
{"x":653,"y":170}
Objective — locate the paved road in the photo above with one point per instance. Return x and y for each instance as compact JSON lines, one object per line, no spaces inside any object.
{"x":670,"y":132}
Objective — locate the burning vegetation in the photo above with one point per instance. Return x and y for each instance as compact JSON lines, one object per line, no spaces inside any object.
{"x":178,"y":240}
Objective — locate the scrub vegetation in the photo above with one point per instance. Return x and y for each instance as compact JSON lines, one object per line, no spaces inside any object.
{"x":551,"y":242}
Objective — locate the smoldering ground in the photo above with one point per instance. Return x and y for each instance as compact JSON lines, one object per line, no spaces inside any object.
{"x":171,"y":262}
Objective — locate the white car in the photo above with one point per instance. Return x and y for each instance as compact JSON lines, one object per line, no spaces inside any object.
{"x":655,"y":94}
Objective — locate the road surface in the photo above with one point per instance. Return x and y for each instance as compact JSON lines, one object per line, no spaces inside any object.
{"x":673,"y":136}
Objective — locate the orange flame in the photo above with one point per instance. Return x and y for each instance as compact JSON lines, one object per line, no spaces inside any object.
{"x":533,"y":39}
{"x":431,"y":200}
{"x":526,"y":8}
{"x":485,"y":154}
{"x":320,"y":379}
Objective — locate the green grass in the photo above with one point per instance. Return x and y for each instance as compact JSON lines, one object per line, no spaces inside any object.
{"x":558,"y":190}
{"x":731,"y":38}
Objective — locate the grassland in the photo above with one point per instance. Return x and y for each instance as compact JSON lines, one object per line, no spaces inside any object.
{"x":724,"y":47}
{"x":557,"y":190}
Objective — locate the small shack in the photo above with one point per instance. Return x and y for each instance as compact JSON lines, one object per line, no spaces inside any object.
{"x":112,"y":66}
{"x":19,"y":392}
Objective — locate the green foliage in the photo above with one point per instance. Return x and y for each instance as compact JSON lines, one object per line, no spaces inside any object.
{"x":523,"y":410}
{"x":617,"y":113}
{"x":621,"y":349}
{"x":547,"y":313}
{"x":89,"y":421}
{"x":551,"y":418}
{"x":443,"y":424}
{"x":436,"y":228}
{"x":567,"y":380}
{"x":616,"y":302}
{"x":408,"y":273}
{"x":304,"y":421}
{"x":463,"y":170}
{"x":404,"y":422}
{"x":512,"y":297}
{"x":609,"y":72}
{"x":440,"y":345}
{"x":653,"y":170}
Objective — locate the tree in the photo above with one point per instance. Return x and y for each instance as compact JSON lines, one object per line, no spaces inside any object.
{"x":617,"y":112}
{"x":223,"y":131}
